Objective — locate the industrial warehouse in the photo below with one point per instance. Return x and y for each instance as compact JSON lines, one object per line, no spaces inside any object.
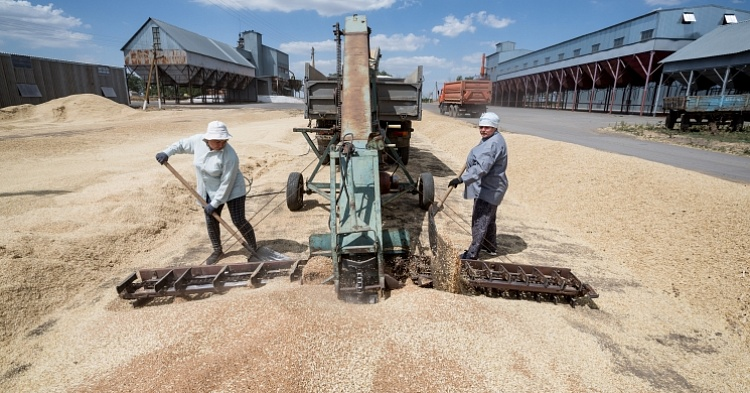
{"x":629,"y":67}
{"x":175,"y":64}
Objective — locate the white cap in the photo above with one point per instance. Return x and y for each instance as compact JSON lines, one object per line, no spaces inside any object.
{"x":489,"y":119}
{"x":216,"y":130}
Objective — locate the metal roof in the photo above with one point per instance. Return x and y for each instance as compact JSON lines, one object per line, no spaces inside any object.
{"x":196,"y":43}
{"x":724,"y":40}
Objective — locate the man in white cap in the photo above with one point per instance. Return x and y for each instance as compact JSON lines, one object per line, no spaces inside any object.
{"x":218,"y":179}
{"x":486,"y":183}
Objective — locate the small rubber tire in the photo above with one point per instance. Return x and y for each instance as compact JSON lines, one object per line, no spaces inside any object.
{"x":295,"y":190}
{"x":426,"y":188}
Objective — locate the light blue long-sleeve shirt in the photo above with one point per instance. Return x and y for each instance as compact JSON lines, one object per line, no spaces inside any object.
{"x":485,"y":170}
{"x":217,"y":171}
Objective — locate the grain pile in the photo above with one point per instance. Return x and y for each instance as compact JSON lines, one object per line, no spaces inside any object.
{"x":85,"y":204}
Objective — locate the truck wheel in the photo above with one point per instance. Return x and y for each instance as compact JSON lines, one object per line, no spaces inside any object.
{"x":442,"y":109}
{"x":403,"y":152}
{"x":684,"y":122}
{"x":294,"y":191}
{"x":669,"y":121}
{"x":453,"y":110}
{"x":426,"y":190}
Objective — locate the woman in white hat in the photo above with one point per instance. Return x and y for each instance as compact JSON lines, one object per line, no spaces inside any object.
{"x":219,"y":181}
{"x":486,"y":183}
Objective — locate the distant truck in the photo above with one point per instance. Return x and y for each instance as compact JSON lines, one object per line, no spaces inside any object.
{"x":707,"y":110}
{"x":465,"y":97}
{"x":399,"y":102}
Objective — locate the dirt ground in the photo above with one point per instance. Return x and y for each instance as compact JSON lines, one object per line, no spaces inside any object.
{"x":85,"y":204}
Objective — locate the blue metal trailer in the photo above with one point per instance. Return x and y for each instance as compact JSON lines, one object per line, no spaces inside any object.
{"x":713,"y":111}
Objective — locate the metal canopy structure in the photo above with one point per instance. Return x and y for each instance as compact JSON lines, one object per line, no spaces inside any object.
{"x":185,"y":59}
{"x":616,"y":69}
{"x":717,"y":63}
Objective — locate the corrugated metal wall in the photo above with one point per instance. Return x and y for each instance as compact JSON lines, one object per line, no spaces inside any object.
{"x":33,"y":80}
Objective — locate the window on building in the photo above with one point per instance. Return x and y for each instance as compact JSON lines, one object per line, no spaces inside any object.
{"x":109,"y":92}
{"x":594,"y":48}
{"x":688,"y":17}
{"x":730,"y":18}
{"x":525,"y":65}
{"x":103,"y":70}
{"x":28,"y":90}
{"x":576,"y":52}
{"x":647,"y":34}
{"x":20,"y":61}
{"x":546,"y":60}
{"x":561,"y":56}
{"x":619,"y":42}
{"x":536,"y":63}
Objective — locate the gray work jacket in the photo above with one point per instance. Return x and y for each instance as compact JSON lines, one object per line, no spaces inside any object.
{"x":485,"y":170}
{"x":217,"y":171}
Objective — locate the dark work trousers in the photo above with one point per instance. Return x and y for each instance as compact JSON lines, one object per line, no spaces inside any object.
{"x":483,"y":228}
{"x":237,"y":212}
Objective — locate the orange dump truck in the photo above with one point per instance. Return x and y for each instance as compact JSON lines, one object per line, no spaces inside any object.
{"x":465,"y":97}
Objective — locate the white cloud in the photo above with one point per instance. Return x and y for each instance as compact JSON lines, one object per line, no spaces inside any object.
{"x":474,"y":58}
{"x":452,"y":27}
{"x":664,"y":2}
{"x":40,"y":25}
{"x":491,"y":20}
{"x":305,"y":47}
{"x":322,"y":7}
{"x":393,"y":43}
{"x":399,"y":42}
{"x":414,"y":61}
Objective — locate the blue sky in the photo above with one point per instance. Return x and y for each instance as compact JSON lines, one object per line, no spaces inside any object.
{"x":446,"y":37}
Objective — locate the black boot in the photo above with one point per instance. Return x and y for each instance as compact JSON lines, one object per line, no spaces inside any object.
{"x":214,"y":257}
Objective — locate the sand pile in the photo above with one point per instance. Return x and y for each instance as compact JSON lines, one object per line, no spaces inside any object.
{"x":86,"y":204}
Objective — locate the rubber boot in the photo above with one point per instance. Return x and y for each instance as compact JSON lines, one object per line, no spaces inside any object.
{"x":214,"y":257}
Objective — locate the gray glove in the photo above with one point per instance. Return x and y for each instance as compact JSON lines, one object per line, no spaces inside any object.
{"x":162,"y":157}
{"x":209,"y":209}
{"x":455,"y":182}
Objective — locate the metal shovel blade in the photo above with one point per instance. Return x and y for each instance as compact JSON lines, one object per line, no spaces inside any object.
{"x":266,"y":254}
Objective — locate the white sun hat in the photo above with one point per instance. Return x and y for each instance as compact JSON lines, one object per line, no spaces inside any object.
{"x":489,"y":119}
{"x":216,"y":130}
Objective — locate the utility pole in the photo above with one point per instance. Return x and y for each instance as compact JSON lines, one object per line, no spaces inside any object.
{"x":154,"y":67}
{"x":312,"y":56}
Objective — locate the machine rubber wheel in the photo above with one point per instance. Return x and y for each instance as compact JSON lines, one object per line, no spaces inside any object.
{"x":442,"y":109}
{"x":294,"y":191}
{"x":426,"y":189}
{"x":454,"y":111}
{"x":404,"y":153}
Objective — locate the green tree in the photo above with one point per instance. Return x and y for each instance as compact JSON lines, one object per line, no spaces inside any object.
{"x":135,"y":83}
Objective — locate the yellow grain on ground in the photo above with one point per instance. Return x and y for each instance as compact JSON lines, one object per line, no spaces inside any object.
{"x":85,"y":204}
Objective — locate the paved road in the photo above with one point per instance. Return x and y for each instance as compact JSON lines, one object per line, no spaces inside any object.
{"x":580,"y":128}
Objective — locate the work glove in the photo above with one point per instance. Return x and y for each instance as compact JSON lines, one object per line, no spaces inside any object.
{"x":209,"y":209}
{"x":162,"y":157}
{"x":455,"y":182}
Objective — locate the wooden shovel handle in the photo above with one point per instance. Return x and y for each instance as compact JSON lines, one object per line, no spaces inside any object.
{"x":204,"y":203}
{"x":442,"y":201}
